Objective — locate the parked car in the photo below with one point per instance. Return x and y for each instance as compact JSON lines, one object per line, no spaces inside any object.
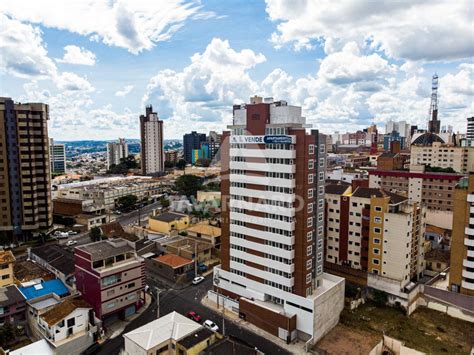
{"x":71,"y":242}
{"x":198,"y":280}
{"x":209,"y":324}
{"x":202,"y":267}
{"x":194,"y":316}
{"x":62,"y":235}
{"x":72,"y":233}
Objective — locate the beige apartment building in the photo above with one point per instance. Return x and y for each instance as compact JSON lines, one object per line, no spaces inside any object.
{"x":461,"y":278}
{"x":377,"y":232}
{"x":7,"y":260}
{"x":25,"y":177}
{"x":105,"y":193}
{"x":461,"y":159}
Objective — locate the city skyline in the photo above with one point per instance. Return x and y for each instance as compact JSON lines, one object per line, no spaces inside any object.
{"x":192,"y":60}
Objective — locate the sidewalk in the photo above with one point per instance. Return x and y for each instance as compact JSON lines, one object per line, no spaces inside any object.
{"x":297,"y":347}
{"x":117,"y":328}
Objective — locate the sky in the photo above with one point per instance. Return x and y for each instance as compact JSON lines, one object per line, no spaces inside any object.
{"x":349,"y":63}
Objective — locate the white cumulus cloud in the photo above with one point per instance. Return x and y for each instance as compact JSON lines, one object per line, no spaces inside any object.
{"x":77,"y":55}
{"x":131,"y":24}
{"x":22,"y":50}
{"x":125,"y":91}
{"x":72,"y":82}
{"x":406,"y":29}
{"x":199,"y":96}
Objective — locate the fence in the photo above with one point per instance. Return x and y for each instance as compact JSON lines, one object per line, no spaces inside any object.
{"x":229,"y":303}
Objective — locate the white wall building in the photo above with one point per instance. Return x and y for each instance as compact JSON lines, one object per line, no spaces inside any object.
{"x":116,"y":151}
{"x":159,"y":336}
{"x":69,"y":327}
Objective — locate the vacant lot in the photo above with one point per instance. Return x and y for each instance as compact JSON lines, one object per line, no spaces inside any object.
{"x":425,"y":330}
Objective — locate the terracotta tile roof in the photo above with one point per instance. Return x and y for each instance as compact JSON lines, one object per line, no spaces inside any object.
{"x":25,"y":271}
{"x":173,"y":260}
{"x":6,"y":256}
{"x":435,"y":229}
{"x":62,"y":310}
{"x":115,"y":230}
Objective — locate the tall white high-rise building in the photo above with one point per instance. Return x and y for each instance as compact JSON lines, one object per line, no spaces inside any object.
{"x":151,"y":133}
{"x":273,"y":181}
{"x":116,"y":151}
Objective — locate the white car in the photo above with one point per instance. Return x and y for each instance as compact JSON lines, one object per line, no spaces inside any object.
{"x":72,"y":233}
{"x":209,"y":324}
{"x":62,"y":235}
{"x":198,"y":280}
{"x":71,"y":242}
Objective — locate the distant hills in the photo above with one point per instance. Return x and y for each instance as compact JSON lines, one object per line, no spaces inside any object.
{"x":74,"y":148}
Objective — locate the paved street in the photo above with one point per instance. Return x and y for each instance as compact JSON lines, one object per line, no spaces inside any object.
{"x":186,"y":300}
{"x":132,"y":217}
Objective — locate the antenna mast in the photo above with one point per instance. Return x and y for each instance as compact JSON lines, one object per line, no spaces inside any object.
{"x":434,"y":124}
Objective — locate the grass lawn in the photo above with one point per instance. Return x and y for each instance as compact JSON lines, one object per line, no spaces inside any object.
{"x":425,"y":330}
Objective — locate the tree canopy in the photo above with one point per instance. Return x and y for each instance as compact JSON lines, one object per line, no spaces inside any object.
{"x":127,"y":201}
{"x":437,"y":169}
{"x":181,"y":164}
{"x":95,"y":234}
{"x":124,"y":166}
{"x":188,"y":185}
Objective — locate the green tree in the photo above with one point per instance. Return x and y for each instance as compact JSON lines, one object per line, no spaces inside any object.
{"x":127,"y":201}
{"x":95,"y":234}
{"x":188,"y":185}
{"x":169,"y":164}
{"x":181,"y":164}
{"x":124,"y":166}
{"x":380,"y":298}
{"x":7,"y":335}
{"x":212,"y":186}
{"x":437,"y":169}
{"x":164,"y":202}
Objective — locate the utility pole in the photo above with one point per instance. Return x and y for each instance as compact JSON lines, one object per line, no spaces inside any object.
{"x":139,"y":209}
{"x":195,"y":258}
{"x":216,"y":281}
{"x":158,"y":291}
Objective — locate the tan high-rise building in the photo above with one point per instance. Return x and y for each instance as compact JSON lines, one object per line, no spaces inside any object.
{"x":25,"y":177}
{"x":461,"y":278}
{"x":151,"y":134}
{"x":375,"y":231}
{"x":460,"y":159}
